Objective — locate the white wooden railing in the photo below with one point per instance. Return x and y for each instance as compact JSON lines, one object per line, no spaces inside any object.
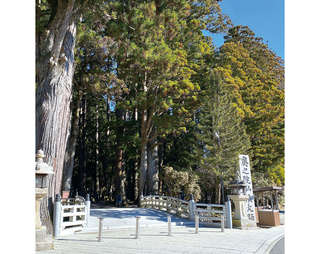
{"x":209,"y":214}
{"x":171,"y":205}
{"x":70,"y":215}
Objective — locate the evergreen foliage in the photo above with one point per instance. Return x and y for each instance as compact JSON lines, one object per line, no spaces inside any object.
{"x":155,"y":101}
{"x":222,"y":135}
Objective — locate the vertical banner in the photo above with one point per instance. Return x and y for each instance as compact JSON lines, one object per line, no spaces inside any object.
{"x":245,"y":175}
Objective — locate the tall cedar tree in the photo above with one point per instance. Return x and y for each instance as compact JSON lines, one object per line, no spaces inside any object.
{"x":56,"y":27}
{"x":222,"y":135}
{"x":157,"y":50}
{"x":259,"y":75}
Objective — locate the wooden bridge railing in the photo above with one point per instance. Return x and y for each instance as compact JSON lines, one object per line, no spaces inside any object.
{"x":70,"y":215}
{"x":171,"y":205}
{"x":209,"y":214}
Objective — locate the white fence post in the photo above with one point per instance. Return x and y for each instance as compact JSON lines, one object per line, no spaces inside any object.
{"x":228,"y":214}
{"x":222,"y":223}
{"x":197,"y":224}
{"x":100,"y":229}
{"x":169,"y":225}
{"x":57,"y":216}
{"x":88,"y":204}
{"x":137,"y":226}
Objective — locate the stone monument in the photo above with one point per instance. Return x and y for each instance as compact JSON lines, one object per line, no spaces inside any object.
{"x":43,"y":241}
{"x":242,"y":196}
{"x":245,"y":176}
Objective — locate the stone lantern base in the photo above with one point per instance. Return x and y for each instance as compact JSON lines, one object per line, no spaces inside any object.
{"x":43,"y":241}
{"x":240,"y":218}
{"x":243,"y":224}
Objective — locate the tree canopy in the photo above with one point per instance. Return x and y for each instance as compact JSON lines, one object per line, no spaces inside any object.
{"x":142,"y":97}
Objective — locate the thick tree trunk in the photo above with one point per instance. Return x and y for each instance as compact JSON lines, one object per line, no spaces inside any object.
{"x":71,"y":147}
{"x":119,"y":171}
{"x":217,"y":191}
{"x":82,"y":148}
{"x":143,"y":169}
{"x":97,"y":173}
{"x":54,"y":73}
{"x":161,"y":154}
{"x":153,"y":168}
{"x":136,"y":180}
{"x":53,"y":110}
{"x":145,"y":125}
{"x":119,"y":174}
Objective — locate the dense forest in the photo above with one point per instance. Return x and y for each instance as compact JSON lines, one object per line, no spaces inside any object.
{"x":133,"y":99}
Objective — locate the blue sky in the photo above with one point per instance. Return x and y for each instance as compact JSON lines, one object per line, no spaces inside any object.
{"x":264,"y":17}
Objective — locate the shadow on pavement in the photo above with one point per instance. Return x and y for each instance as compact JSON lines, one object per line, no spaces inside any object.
{"x":149,"y":214}
{"x":133,"y":212}
{"x":116,"y":238}
{"x":76,"y":240}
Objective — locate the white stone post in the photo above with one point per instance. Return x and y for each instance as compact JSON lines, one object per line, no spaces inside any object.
{"x":228,"y":214}
{"x":57,"y":216}
{"x":137,"y":226}
{"x":88,"y":204}
{"x":222,"y":223}
{"x":197,"y":224}
{"x":169,"y":225}
{"x":100,"y":229}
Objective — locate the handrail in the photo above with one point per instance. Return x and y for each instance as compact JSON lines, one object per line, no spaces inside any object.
{"x":70,"y":215}
{"x":208,"y":213}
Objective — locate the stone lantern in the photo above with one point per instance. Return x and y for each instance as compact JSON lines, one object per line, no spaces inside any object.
{"x":240,"y":218}
{"x":42,"y":173}
{"x":237,"y":187}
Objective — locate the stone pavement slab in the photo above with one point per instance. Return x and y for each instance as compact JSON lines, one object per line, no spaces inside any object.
{"x":126,"y":218}
{"x":119,"y":236}
{"x":156,"y":241}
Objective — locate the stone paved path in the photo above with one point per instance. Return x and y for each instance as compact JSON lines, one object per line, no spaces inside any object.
{"x":119,"y":236}
{"x":126,"y":218}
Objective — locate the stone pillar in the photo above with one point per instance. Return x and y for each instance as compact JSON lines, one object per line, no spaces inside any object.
{"x":240,"y":218}
{"x":57,"y":217}
{"x":42,"y":170}
{"x":228,"y":214}
{"x":88,"y":205}
{"x":192,"y":206}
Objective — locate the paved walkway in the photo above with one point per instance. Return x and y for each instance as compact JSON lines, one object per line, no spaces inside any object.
{"x":116,"y":218}
{"x":119,"y":236}
{"x":278,"y":248}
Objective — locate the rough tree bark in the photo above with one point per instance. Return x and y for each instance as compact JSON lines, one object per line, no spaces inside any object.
{"x":81,"y":183}
{"x":97,"y":175}
{"x":153,"y":168}
{"x":136,"y":167}
{"x":55,"y":69}
{"x":146,"y":129}
{"x":217,"y":190}
{"x":71,"y":147}
{"x":119,"y":172}
{"x":54,"y":73}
